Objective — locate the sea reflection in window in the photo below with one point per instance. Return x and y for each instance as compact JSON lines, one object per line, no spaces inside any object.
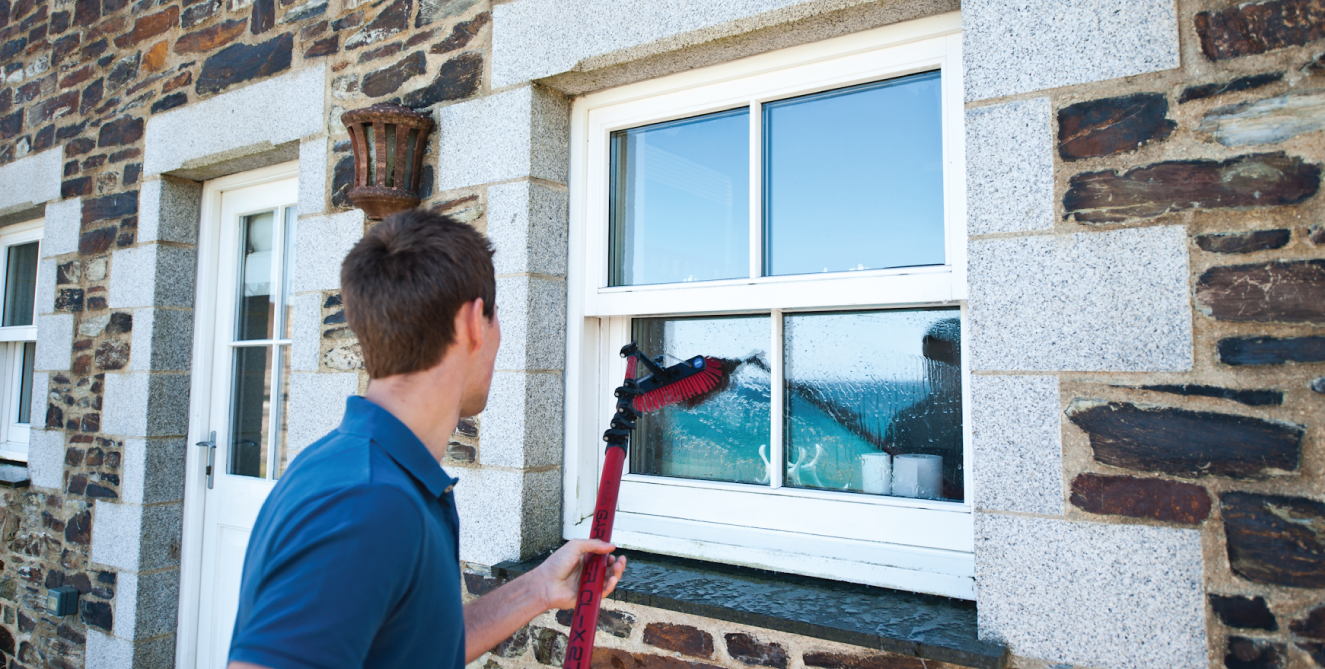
{"x":873,"y":402}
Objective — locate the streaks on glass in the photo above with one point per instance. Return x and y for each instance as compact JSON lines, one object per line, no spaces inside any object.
{"x":721,"y":439}
{"x":859,"y":384}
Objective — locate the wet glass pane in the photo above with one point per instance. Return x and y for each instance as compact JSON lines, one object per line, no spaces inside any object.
{"x":725,"y":438}
{"x":250,"y":409}
{"x":282,"y":431}
{"x":256,"y":307}
{"x":20,"y":283}
{"x":853,"y":178}
{"x":680,"y":200}
{"x":25,"y":387}
{"x":287,"y":273}
{"x":874,"y":402}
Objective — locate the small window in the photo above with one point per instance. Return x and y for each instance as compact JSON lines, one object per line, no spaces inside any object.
{"x":19,"y":251}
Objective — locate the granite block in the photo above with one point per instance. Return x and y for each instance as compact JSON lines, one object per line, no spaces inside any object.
{"x":317,"y":404}
{"x":1091,"y":594}
{"x":1019,"y":46}
{"x":1009,"y":168}
{"x":60,"y":231}
{"x":162,"y":340}
{"x":522,"y":424}
{"x":146,"y":605}
{"x":1017,"y":444}
{"x":169,"y":210}
{"x":55,"y":338}
{"x":507,"y":515}
{"x":527,"y":223}
{"x":307,"y":333}
{"x":142,"y":404}
{"x":112,"y":652}
{"x":249,"y":120}
{"x":153,"y":275}
{"x":313,"y":175}
{"x":129,"y":537}
{"x":1097,"y":301}
{"x":40,"y":175}
{"x":44,"y":298}
{"x":532,"y":312}
{"x":41,"y":389}
{"x":153,"y":470}
{"x":46,"y":457}
{"x":512,"y":134}
{"x":321,"y":244}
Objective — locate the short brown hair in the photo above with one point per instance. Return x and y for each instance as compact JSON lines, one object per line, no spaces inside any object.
{"x":403,"y":284}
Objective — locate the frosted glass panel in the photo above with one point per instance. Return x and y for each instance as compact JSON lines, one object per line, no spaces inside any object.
{"x":874,"y":402}
{"x":726,"y":438}
{"x":853,"y":178}
{"x":680,"y":200}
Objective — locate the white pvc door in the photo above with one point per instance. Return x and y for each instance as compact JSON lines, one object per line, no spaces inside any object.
{"x":251,"y":255}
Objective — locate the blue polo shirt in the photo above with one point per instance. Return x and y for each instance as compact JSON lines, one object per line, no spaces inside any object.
{"x":354,"y":560}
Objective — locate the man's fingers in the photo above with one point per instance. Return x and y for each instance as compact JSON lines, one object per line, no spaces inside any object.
{"x":593,"y":546}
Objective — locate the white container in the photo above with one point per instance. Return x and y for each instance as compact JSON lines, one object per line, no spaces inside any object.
{"x":876,"y":473}
{"x":918,"y":476}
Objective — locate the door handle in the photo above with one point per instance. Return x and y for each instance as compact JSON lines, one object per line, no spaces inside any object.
{"x":210,"y":445}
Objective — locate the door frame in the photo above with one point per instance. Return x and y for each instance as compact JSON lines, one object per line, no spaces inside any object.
{"x":200,"y":397}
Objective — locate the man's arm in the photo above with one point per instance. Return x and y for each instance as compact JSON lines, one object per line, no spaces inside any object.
{"x":492,"y":618}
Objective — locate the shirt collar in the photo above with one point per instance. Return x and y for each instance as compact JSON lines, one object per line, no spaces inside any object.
{"x":364,"y":418}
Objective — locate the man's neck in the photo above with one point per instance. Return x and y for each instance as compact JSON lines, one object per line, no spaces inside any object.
{"x":428,"y":403}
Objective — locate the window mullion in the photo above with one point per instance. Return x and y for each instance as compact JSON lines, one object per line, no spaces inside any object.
{"x":776,"y":388}
{"x":756,"y":190}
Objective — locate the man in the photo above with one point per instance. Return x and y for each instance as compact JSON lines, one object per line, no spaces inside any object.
{"x":354,"y":560}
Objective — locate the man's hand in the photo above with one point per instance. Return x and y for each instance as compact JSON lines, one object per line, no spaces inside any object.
{"x":559,"y":575}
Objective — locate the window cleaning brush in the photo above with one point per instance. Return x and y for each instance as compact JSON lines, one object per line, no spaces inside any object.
{"x":689,"y":383}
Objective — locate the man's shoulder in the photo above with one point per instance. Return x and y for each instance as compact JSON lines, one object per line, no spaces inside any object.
{"x":343,"y":469}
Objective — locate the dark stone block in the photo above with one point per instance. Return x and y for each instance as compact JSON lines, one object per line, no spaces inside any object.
{"x":479,"y":585}
{"x":112,"y":354}
{"x":110,"y":206}
{"x":68,"y":273}
{"x":95,"y":49}
{"x":1244,"y":653}
{"x":60,"y":22}
{"x":682,"y":639}
{"x":1312,"y":626}
{"x":96,"y":614}
{"x":388,"y":79}
{"x":170,"y":102}
{"x":124,"y":130}
{"x":1274,"y":539}
{"x":199,"y":13}
{"x":96,"y":303}
{"x":1273,"y":292}
{"x":184,"y":79}
{"x":238,"y":63}
{"x":211,"y":37}
{"x":1152,"y":499}
{"x":131,"y":173}
{"x":461,"y":34}
{"x":308,"y":10}
{"x":616,"y":623}
{"x":91,"y":96}
{"x":419,"y":38}
{"x":1255,"y":398}
{"x":1244,"y":612}
{"x":549,"y":646}
{"x":431,"y":11}
{"x":64,"y":46}
{"x":342,"y":178}
{"x":1271,"y":351}
{"x":12,"y":48}
{"x":1244,"y":242}
{"x":1240,"y":84}
{"x":149,"y":26}
{"x":43,"y":139}
{"x":460,"y":452}
{"x":81,"y":186}
{"x":1253,"y":180}
{"x":1316,"y":235}
{"x":6,"y":100}
{"x":11,"y":125}
{"x":86,"y":12}
{"x":70,"y":169}
{"x":1318,"y":385}
{"x":467,"y":427}
{"x":77,"y":77}
{"x":323,"y":47}
{"x":124,"y":71}
{"x":513,"y":646}
{"x":348,"y":21}
{"x":389,"y":22}
{"x":862,"y":661}
{"x":1187,"y":443}
{"x":96,"y":241}
{"x":338,"y":317}
{"x":310,"y":31}
{"x":457,"y":79}
{"x":1251,"y":28}
{"x":120,"y":322}
{"x":263,"y":16}
{"x":54,"y":416}
{"x":1112,"y":125}
{"x":334,"y":300}
{"x":380,"y":52}
{"x":69,"y":299}
{"x":744,"y":648}
{"x":52,"y":108}
{"x":78,"y":530}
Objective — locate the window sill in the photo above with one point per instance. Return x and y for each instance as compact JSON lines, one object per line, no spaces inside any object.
{"x":923,"y":626}
{"x":13,"y":474}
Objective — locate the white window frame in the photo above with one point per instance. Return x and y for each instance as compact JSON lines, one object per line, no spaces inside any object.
{"x":912,"y":544}
{"x":13,"y":435}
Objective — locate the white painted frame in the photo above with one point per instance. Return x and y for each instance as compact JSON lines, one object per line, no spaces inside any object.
{"x":911,"y":544}
{"x":14,"y":436}
{"x":200,"y":397}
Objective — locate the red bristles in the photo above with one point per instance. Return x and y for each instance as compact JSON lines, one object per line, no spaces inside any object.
{"x":690,"y":390}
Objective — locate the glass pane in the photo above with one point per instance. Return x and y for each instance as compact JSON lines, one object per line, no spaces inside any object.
{"x":725,"y":438}
{"x":250,"y":411}
{"x":20,"y":284}
{"x":282,"y":431}
{"x":25,"y":387}
{"x":853,"y":178}
{"x":287,"y":273}
{"x":256,"y":309}
{"x":680,"y":200}
{"x":874,"y":402}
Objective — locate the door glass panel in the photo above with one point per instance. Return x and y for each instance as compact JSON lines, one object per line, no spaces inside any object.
{"x":20,"y":283}
{"x":853,"y":178}
{"x":282,"y":425}
{"x":726,"y":438}
{"x":680,"y":200}
{"x":256,"y":308}
{"x":287,"y":273}
{"x":874,"y":402}
{"x":251,"y":405}
{"x":25,"y":388}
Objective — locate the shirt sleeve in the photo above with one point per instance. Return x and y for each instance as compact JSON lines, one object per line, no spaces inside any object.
{"x":331,"y":579}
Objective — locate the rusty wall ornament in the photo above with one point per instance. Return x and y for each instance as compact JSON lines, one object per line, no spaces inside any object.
{"x":389,"y":143}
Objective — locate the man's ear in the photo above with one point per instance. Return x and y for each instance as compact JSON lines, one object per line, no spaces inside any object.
{"x":474,"y":322}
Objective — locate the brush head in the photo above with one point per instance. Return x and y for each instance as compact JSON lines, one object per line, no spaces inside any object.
{"x":688,"y":383}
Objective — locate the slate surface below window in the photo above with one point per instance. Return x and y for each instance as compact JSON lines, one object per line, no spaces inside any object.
{"x":924,"y":626}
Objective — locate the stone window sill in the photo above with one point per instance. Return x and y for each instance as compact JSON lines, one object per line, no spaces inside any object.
{"x":13,"y":474}
{"x":922,"y":626}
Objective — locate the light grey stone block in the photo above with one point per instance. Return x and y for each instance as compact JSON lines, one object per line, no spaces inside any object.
{"x":532,"y":312}
{"x":162,"y":340}
{"x":55,"y":339}
{"x":1009,"y":168}
{"x":41,"y":390}
{"x":527,"y":224}
{"x":307,"y":332}
{"x":111,"y":652}
{"x":317,"y":404}
{"x":1017,"y":444}
{"x":1019,"y":46}
{"x":517,"y":133}
{"x":522,"y":423}
{"x":31,"y":180}
{"x":321,"y":244}
{"x":146,"y":605}
{"x":46,"y":457}
{"x":153,"y":471}
{"x":136,"y":538}
{"x":1095,"y":301}
{"x":1091,"y":594}
{"x":169,"y":210}
{"x":44,"y":298}
{"x":313,"y":175}
{"x":506,"y":515}
{"x":248,"y":120}
{"x":60,"y":231}
{"x":142,"y":404}
{"x":153,"y":275}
